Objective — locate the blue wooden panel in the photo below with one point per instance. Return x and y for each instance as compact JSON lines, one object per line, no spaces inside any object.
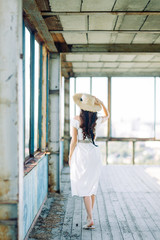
{"x":35,"y":191}
{"x":42,"y":184}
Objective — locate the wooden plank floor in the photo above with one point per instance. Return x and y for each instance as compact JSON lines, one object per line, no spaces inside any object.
{"x":127,"y":207}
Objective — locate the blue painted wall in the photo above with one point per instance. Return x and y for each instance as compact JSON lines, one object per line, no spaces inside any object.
{"x":35,"y":191}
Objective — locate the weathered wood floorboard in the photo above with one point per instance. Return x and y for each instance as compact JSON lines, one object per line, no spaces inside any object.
{"x":127,"y":207}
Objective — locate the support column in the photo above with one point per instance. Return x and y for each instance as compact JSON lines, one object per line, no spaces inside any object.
{"x":11,"y":121}
{"x":54,"y":121}
{"x":66,"y":119}
{"x":44,"y":98}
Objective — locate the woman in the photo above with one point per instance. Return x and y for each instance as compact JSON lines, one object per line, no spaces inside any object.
{"x":84,"y":158}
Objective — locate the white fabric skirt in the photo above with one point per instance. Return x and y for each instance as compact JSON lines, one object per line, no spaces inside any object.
{"x":85,"y":169}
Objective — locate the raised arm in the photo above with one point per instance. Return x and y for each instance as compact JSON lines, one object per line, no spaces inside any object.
{"x":106,"y":112}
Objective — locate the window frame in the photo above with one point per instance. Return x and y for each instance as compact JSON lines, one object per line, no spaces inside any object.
{"x":32,"y":152}
{"x":133,"y":140}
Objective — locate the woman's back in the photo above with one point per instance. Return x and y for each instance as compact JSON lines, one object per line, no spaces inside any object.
{"x":76,"y":123}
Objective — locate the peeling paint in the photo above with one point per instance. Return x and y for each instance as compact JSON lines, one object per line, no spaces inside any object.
{"x":6,"y":232}
{"x":52,"y":182}
{"x":8,"y":211}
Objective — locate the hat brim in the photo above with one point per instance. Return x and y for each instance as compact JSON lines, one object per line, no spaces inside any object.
{"x":86,"y":107}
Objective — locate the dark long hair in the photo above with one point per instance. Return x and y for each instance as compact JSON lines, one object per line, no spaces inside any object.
{"x":88,"y":123}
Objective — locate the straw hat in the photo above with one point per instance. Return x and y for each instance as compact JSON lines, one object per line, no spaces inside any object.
{"x":86,"y":102}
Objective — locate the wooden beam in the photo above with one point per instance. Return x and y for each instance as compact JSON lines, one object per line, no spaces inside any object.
{"x":100,"y":61}
{"x":112,"y":53}
{"x":106,"y":31}
{"x":115,"y":48}
{"x":68,"y":70}
{"x":34,"y":15}
{"x":116,"y":74}
{"x":103,"y":68}
{"x":119,"y":13}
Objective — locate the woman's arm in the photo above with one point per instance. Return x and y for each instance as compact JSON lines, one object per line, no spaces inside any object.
{"x":73,"y":143}
{"x":106,"y":112}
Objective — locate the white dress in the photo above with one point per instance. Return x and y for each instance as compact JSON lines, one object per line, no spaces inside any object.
{"x":86,"y":164}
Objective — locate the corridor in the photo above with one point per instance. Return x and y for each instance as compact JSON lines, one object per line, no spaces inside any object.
{"x":49,"y":51}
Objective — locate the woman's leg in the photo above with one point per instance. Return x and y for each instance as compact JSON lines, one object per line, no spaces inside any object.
{"x":93,"y":200}
{"x":88,"y":206}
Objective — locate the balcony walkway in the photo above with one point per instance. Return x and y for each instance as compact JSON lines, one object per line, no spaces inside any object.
{"x":127,"y":206}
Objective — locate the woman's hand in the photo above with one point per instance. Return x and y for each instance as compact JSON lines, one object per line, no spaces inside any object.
{"x":69,"y":162}
{"x":98,"y":101}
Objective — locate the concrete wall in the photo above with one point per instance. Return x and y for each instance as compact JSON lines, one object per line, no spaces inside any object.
{"x":11,"y":120}
{"x":35,"y":192}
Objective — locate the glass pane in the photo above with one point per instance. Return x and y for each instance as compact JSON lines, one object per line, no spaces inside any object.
{"x":72,"y":105}
{"x":102,"y":147}
{"x":132,"y":107}
{"x":27,"y":91}
{"x":36,"y":95}
{"x":119,"y":152}
{"x":82,"y":86}
{"x":147,"y":152}
{"x":157,"y":108}
{"x":100,"y":90}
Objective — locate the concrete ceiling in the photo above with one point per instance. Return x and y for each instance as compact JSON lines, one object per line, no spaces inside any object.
{"x":104,"y":37}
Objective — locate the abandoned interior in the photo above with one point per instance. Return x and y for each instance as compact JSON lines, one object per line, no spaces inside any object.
{"x":50,"y":50}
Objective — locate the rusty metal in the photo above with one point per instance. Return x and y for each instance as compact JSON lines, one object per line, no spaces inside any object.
{"x":53,"y":23}
{"x":43,"y":5}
